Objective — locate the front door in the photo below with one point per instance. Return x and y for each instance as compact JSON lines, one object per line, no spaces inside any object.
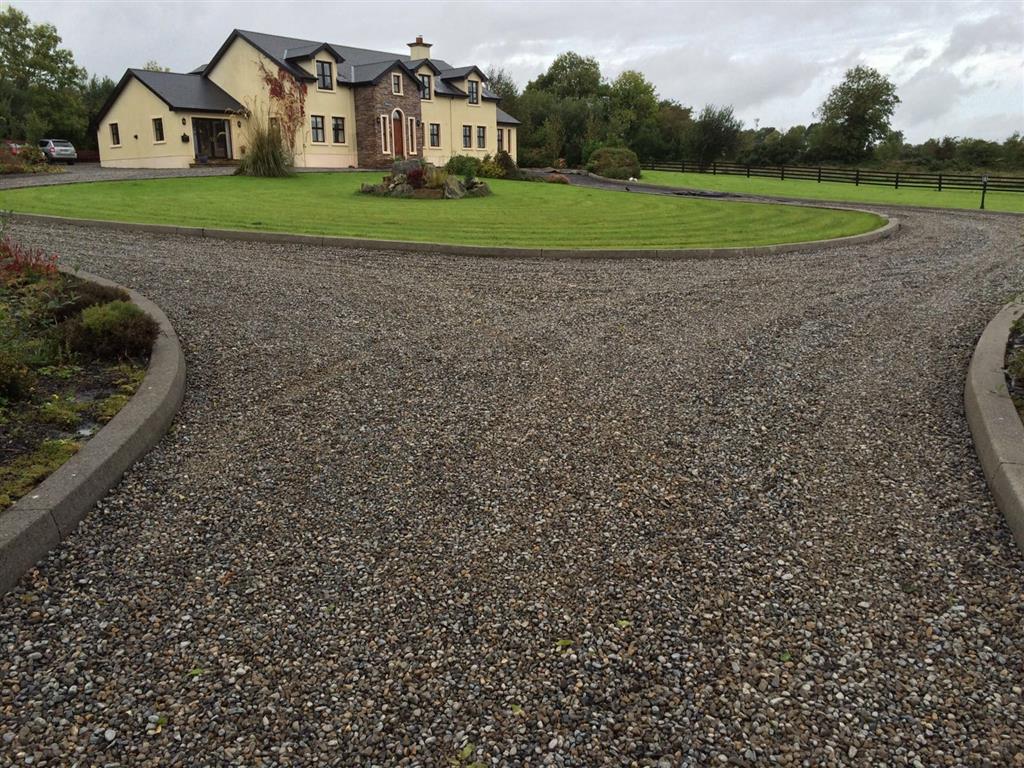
{"x":212,"y":141}
{"x":396,"y":125}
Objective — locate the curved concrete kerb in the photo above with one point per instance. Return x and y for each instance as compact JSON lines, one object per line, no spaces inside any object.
{"x":995,"y":424}
{"x":38,"y":522}
{"x":890,"y":228}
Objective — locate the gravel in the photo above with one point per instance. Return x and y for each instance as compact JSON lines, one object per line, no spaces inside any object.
{"x":82,"y":172}
{"x":566,"y":512}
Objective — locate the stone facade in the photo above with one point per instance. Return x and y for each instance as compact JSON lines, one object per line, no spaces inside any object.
{"x":372,"y":101}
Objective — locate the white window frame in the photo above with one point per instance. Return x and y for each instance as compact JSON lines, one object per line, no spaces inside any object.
{"x":411,"y":123}
{"x":398,"y":91}
{"x":344,"y":130}
{"x":385,"y":135}
{"x":163,"y":128}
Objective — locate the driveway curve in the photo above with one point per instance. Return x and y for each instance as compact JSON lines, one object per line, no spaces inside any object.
{"x":569,"y":512}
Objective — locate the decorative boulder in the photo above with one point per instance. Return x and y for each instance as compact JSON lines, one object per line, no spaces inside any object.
{"x":402,"y":167}
{"x":480,"y":189}
{"x":453,"y":188}
{"x":402,"y":190}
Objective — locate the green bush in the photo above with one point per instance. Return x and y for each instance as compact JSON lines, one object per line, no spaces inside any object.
{"x":463,"y":165}
{"x":265,"y":153}
{"x":16,"y":378}
{"x":81,"y":295}
{"x":489,"y":169}
{"x":615,"y":163}
{"x":113,"y":330}
{"x":507,"y":164}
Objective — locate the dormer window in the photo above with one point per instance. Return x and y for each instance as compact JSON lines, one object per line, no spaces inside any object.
{"x":325,"y":75}
{"x":474,"y":91}
{"x":426,"y":87}
{"x":396,"y":84}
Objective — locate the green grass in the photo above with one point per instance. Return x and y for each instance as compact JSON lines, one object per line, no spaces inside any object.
{"x":835,"y":192}
{"x":519,"y":214}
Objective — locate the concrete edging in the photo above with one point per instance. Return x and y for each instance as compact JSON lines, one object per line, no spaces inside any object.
{"x":36,"y":523}
{"x":891,"y":227}
{"x":995,"y":424}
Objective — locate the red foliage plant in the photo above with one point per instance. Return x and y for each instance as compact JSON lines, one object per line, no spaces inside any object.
{"x":415,"y":177}
{"x":288,"y":99}
{"x":18,"y":259}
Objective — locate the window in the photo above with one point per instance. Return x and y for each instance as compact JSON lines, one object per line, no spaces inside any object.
{"x":115,"y":135}
{"x":467,"y":136}
{"x":474,"y":92}
{"x":385,"y":144}
{"x":501,"y":139}
{"x":396,"y":84}
{"x":412,"y":135}
{"x":426,"y":87}
{"x":317,"y":122}
{"x":338,"y":130}
{"x":158,"y":129}
{"x":324,"y":76}
{"x":481,"y":137}
{"x":435,"y":134}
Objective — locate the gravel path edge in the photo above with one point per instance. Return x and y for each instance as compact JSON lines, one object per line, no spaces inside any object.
{"x":888,"y":229}
{"x":50,"y":513}
{"x":995,"y":424}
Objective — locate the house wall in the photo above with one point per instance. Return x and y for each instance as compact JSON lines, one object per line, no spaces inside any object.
{"x":238,"y":73}
{"x":133,"y":112}
{"x":373,"y":101}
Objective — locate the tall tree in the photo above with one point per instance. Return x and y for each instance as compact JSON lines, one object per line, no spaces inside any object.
{"x":632,"y":105}
{"x":500,"y":82}
{"x":570,"y":75}
{"x":154,"y":66}
{"x":858,"y":111}
{"x":40,"y":84}
{"x":715,"y":134}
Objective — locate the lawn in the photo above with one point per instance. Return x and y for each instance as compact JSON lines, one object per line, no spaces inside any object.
{"x":521,"y":214}
{"x":840,"y":193}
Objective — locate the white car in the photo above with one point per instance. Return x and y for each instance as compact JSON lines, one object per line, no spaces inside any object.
{"x":58,"y":150}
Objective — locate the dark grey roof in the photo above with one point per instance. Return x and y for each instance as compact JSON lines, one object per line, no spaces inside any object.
{"x":187,"y":91}
{"x":191,"y":92}
{"x":198,"y":70}
{"x":505,"y":117}
{"x":358,"y":65}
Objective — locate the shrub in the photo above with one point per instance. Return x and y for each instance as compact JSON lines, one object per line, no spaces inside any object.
{"x":415,"y":177}
{"x":31,"y":155}
{"x":436,"y":178}
{"x":16,"y":378}
{"x":489,"y":168}
{"x":113,"y":330}
{"x":615,"y":163}
{"x":17,"y":260}
{"x":463,"y":165}
{"x":265,"y":153}
{"x":508,"y":166}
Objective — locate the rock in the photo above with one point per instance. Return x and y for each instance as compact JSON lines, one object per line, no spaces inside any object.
{"x":402,"y":167}
{"x":454,"y":189}
{"x":402,"y":190}
{"x":480,"y":189}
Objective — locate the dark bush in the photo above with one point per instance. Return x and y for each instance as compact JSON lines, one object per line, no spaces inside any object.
{"x":415,"y":177}
{"x":507,"y":164}
{"x":615,"y":163}
{"x":84,"y":294}
{"x":113,"y":330}
{"x":463,"y":165}
{"x":16,"y":378}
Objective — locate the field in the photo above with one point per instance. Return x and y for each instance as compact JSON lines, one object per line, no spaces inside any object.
{"x":837,"y":192}
{"x":519,"y":214}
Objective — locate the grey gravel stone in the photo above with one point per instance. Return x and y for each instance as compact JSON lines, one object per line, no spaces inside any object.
{"x":570,"y":513}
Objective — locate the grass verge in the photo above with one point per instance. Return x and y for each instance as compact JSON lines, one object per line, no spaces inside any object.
{"x":840,"y":193}
{"x":518,"y":214}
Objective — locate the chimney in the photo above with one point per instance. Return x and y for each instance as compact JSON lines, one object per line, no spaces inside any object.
{"x":419,"y":49}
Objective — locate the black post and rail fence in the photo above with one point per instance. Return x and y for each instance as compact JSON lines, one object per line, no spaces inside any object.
{"x":895,"y":179}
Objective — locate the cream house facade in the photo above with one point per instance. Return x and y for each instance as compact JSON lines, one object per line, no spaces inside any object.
{"x":362,"y":108}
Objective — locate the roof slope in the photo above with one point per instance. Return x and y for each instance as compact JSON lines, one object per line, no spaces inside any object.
{"x":505,"y":117}
{"x":187,"y":91}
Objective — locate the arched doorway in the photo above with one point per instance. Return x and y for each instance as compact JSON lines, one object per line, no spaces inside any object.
{"x":398,"y":131}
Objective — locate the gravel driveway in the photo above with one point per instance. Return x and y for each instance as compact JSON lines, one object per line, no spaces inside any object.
{"x":574,"y":513}
{"x":82,"y":172}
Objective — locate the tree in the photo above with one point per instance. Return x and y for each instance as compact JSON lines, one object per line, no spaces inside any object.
{"x":154,"y":66}
{"x":570,"y":75}
{"x":714,"y":135}
{"x":857,"y":113}
{"x":94,"y":96}
{"x":40,"y":84}
{"x":632,"y":105}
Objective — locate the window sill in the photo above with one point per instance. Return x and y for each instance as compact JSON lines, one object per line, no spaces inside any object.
{"x":116,"y":146}
{"x":157,"y":143}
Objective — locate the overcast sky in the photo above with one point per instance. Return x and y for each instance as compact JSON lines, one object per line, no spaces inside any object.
{"x":958,"y":66}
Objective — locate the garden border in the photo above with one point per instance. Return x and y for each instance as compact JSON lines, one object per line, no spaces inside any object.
{"x":39,"y":521}
{"x":995,"y":424}
{"x":891,"y":226}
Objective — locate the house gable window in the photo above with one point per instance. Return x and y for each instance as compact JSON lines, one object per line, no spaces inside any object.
{"x":324,"y":75}
{"x":426,"y":87}
{"x":467,"y":136}
{"x":317,"y":125}
{"x":158,"y":130}
{"x":115,"y":135}
{"x":474,"y":91}
{"x":481,"y":137}
{"x":435,"y":134}
{"x":338,"y":130}
{"x":396,"y":84}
